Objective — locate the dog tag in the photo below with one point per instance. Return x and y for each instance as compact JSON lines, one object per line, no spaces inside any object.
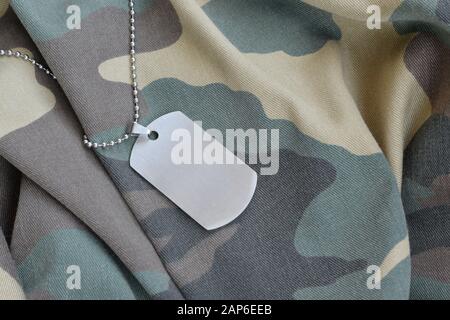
{"x":173,"y":153}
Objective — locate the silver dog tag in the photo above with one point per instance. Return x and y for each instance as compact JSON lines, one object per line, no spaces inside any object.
{"x":213,"y":193}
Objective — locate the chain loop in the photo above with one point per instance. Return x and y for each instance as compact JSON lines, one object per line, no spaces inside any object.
{"x":134,"y":85}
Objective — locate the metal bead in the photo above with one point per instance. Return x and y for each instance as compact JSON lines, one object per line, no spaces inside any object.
{"x":126,"y":136}
{"x":9,"y":53}
{"x":119,"y":140}
{"x":112,"y":143}
{"x":132,"y":51}
{"x":136,"y":100}
{"x":132,"y":20}
{"x":2,"y":52}
{"x":85,"y":141}
{"x":136,"y":108}
{"x":26,"y":57}
{"x":132,"y":44}
{"x":95,"y":145}
{"x":132,"y":28}
{"x":136,"y":116}
{"x":135,"y":92}
{"x":132,"y":12}
{"x":89,"y":144}
{"x":17,"y":54}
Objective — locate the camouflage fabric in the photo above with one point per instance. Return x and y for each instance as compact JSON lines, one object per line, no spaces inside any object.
{"x":364,"y":175}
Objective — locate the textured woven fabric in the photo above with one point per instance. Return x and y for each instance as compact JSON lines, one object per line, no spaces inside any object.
{"x":364,"y":175}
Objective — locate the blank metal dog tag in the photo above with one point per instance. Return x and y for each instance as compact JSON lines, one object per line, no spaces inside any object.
{"x":213,"y":194}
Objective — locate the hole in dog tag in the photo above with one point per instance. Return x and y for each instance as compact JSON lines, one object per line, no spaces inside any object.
{"x":212,"y":193}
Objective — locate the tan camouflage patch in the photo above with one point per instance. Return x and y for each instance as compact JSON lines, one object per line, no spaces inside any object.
{"x":21,"y":104}
{"x":202,"y":2}
{"x":9,"y":288}
{"x":4,"y":4}
{"x":397,"y":254}
{"x":389,"y":98}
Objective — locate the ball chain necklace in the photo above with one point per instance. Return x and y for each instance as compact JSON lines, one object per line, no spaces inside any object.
{"x":136,"y":129}
{"x":211,"y":194}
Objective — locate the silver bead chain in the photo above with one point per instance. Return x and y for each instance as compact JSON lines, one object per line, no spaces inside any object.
{"x":134,"y":85}
{"x":25,"y":57}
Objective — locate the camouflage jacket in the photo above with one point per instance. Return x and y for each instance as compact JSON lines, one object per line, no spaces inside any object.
{"x":360,"y":94}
